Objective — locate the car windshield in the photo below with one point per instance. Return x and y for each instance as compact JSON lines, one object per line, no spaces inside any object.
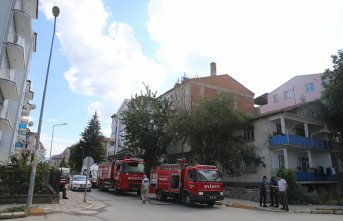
{"x":80,"y":178}
{"x":208,"y":175}
{"x":134,"y":167}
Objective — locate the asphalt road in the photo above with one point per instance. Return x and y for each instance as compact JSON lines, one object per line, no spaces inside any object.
{"x":129,"y":207}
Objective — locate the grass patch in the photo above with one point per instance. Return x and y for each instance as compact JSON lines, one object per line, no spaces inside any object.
{"x":15,"y":209}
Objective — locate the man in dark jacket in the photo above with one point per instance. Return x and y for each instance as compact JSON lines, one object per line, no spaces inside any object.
{"x":273,"y":186}
{"x":263,"y":184}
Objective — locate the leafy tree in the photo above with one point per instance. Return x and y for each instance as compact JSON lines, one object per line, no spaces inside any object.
{"x":333,"y":94}
{"x":214,"y":124}
{"x":63,"y":163}
{"x":90,"y":144}
{"x":19,"y":170}
{"x":76,"y":157}
{"x":180,"y":128}
{"x":146,"y":124}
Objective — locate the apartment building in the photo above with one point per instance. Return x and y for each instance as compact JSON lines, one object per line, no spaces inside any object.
{"x":300,"y":89}
{"x":118,"y":130}
{"x":17,"y":42}
{"x":187,"y":94}
{"x":294,"y":133}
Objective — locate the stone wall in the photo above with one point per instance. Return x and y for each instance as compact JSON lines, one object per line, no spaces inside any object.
{"x":243,"y":193}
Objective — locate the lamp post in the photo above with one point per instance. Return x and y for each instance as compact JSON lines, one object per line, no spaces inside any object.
{"x":55,"y":12}
{"x":52,"y":137}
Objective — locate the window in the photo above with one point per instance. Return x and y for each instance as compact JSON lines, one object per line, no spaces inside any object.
{"x":288,"y":94}
{"x":304,"y":164}
{"x":278,"y":128}
{"x":249,"y":167}
{"x":249,"y":134}
{"x":275,"y":98}
{"x":281,"y":161}
{"x":300,"y":131}
{"x":191,"y":175}
{"x":309,"y":87}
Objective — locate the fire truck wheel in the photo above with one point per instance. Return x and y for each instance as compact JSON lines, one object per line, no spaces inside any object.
{"x":187,"y":199}
{"x":210,"y":204}
{"x":115,"y":190}
{"x":101,"y":187}
{"x":160,"y":195}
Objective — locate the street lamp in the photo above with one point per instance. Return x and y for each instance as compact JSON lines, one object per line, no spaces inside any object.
{"x":52,"y":137}
{"x":55,"y":12}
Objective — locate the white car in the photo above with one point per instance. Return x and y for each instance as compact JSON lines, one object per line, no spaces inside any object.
{"x":78,"y":182}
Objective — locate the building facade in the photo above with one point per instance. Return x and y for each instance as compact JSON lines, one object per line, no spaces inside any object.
{"x":300,"y":89}
{"x":118,"y":130}
{"x":17,"y":42}
{"x":293,"y":133}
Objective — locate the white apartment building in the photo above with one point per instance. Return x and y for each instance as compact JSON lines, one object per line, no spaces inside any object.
{"x":118,"y":130}
{"x":17,"y":42}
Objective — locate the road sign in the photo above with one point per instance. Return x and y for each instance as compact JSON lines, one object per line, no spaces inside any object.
{"x":88,"y":161}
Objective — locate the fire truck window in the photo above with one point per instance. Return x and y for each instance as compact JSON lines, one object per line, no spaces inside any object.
{"x":118,"y":167}
{"x":191,"y":175}
{"x":175,"y":182}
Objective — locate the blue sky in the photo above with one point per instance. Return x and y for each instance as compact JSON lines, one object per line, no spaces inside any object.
{"x":105,"y":49}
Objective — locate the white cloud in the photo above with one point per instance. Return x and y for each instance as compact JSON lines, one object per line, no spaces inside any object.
{"x":105,"y":57}
{"x":250,"y":40}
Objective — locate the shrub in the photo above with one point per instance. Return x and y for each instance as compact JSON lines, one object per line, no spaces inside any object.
{"x":296,"y":194}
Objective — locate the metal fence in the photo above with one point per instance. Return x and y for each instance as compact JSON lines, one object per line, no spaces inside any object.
{"x":15,"y":182}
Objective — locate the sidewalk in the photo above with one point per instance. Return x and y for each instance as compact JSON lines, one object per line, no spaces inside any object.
{"x":314,"y":209}
{"x":73,"y":204}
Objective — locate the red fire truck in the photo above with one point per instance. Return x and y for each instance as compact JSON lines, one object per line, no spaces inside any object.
{"x":189,"y":184}
{"x":122,"y":175}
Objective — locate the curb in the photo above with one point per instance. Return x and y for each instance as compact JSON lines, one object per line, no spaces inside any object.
{"x":308,"y":211}
{"x":12,"y":215}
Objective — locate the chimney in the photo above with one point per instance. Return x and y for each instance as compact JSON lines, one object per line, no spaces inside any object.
{"x":213,"y":69}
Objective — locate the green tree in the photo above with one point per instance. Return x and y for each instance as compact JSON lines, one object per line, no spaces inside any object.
{"x":76,"y":156}
{"x":63,"y":163}
{"x":213,"y":138}
{"x":146,"y":124}
{"x":333,"y":93}
{"x":90,"y":144}
{"x":180,"y":128}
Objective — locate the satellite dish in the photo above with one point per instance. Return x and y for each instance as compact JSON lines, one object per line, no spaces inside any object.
{"x":30,"y":124}
{"x":33,"y":106}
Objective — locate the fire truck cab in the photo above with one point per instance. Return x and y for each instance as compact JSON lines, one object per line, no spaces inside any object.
{"x":122,"y":175}
{"x":199,"y":183}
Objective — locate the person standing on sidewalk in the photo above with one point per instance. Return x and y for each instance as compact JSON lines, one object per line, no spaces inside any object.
{"x":282,"y":185}
{"x":263,"y":191}
{"x":273,"y":187}
{"x":145,"y":189}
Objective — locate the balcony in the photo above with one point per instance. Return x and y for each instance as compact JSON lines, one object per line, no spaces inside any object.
{"x":31,"y":8}
{"x":5,"y":125}
{"x":299,"y":142}
{"x":16,"y":53}
{"x":6,"y":122}
{"x":23,"y":24}
{"x":9,"y":89}
{"x":311,"y":177}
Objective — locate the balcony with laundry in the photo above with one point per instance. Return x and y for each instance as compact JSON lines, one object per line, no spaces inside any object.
{"x":303,"y":145}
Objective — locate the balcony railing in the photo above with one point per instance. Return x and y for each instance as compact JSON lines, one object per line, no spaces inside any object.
{"x":299,"y":141}
{"x":310,"y":176}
